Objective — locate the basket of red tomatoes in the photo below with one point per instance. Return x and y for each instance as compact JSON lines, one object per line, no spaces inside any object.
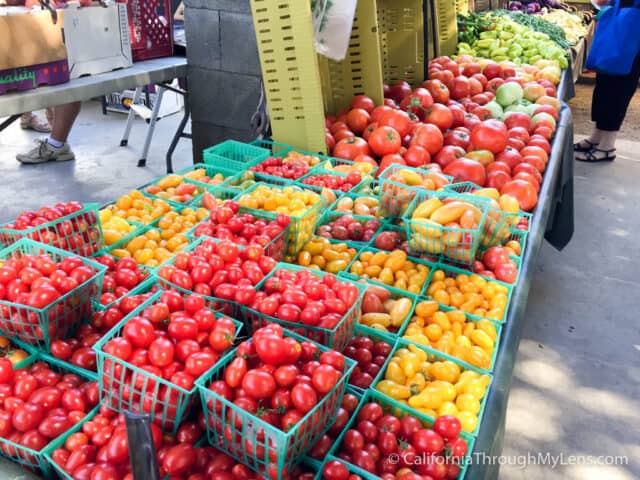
{"x":149,"y":362}
{"x":45,"y":293}
{"x":44,"y":401}
{"x":312,"y":303}
{"x":69,"y":226}
{"x":269,"y":400}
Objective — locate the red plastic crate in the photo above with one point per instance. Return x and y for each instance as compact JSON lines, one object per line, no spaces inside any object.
{"x":150,"y":28}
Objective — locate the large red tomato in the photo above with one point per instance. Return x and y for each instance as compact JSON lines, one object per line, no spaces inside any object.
{"x":385,"y":141}
{"x":518,"y":119}
{"x":466,"y":170}
{"x":523,"y":191}
{"x":497,"y":179}
{"x":448,"y":154}
{"x":510,"y":156}
{"x":399,"y":90}
{"x":428,"y":136}
{"x":460,"y":88}
{"x":350,"y":148}
{"x":440,"y":116}
{"x":458,"y":138}
{"x":489,"y":135}
{"x":438,"y":90}
{"x":397,"y":119}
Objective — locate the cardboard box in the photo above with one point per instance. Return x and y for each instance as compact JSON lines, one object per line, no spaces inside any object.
{"x":97,"y":38}
{"x":32,"y":50}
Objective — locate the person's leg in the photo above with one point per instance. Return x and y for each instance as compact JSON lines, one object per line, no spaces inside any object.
{"x":30,"y":121}
{"x":55,"y":148}
{"x":64,"y":116}
{"x":611,"y":97}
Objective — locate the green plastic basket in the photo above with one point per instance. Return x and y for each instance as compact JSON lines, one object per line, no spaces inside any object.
{"x":334,"y":162}
{"x":60,"y":319}
{"x":499,"y":224}
{"x":211,"y":170}
{"x":470,"y":318}
{"x":234,"y":155}
{"x":328,"y":267}
{"x":336,"y":338}
{"x":376,"y":336}
{"x":451,"y":271}
{"x":166,"y":403}
{"x":200,"y":189}
{"x":322,"y":171}
{"x":370,"y":187}
{"x":354,"y":196}
{"x":301,"y":227}
{"x":435,"y":355}
{"x":388,"y":227}
{"x":395,"y":197}
{"x":79,"y":232}
{"x":317,"y":464}
{"x":354,"y":276}
{"x":256,"y":443}
{"x":276,"y":248}
{"x":145,"y":286}
{"x":452,"y":243}
{"x":399,"y":410}
{"x":275,"y":148}
{"x":122,"y":245}
{"x":39,"y":461}
{"x":331,"y":216}
{"x":276,"y":180}
{"x":395,"y":293}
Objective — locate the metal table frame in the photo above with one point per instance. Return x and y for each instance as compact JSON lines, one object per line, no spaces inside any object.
{"x":556,"y":190}
{"x":159,"y":71}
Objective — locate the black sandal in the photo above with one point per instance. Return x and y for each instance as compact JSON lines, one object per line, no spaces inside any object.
{"x":577,"y":147}
{"x":590,"y":156}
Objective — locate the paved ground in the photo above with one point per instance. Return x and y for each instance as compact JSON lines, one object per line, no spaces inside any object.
{"x":577,"y":380}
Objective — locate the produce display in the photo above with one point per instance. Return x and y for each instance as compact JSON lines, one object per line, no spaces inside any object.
{"x":434,"y":388}
{"x":308,"y":316}
{"x":571,"y":24}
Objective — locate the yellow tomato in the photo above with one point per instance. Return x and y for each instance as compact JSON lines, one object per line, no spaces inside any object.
{"x":468,"y":421}
{"x":468,"y":403}
{"x":393,"y":390}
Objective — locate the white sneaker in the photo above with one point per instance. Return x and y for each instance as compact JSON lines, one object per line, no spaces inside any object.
{"x":45,"y":152}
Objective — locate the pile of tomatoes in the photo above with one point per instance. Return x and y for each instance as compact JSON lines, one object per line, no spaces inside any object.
{"x":40,"y":404}
{"x":38,"y":282}
{"x":334,"y":182}
{"x":78,"y":233}
{"x":384,"y":444}
{"x":281,"y":380}
{"x":120,"y":278}
{"x":226,"y":223}
{"x":77,"y":349}
{"x":305,"y":297}
{"x":370,"y":355}
{"x":220,"y":270}
{"x":445,"y":121}
{"x":278,"y":167}
{"x":176,"y":338}
{"x":100,"y":450}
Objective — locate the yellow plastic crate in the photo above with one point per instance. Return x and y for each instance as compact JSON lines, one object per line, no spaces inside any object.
{"x":401,"y":33}
{"x":361,"y":70}
{"x":300,"y":87}
{"x":446,"y":27}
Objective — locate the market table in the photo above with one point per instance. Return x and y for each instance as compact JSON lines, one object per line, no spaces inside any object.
{"x":156,"y":71}
{"x":553,"y":220}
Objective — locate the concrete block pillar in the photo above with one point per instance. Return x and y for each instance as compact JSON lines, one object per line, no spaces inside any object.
{"x":223,"y":72}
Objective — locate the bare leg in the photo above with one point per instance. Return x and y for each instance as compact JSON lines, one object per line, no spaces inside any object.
{"x":64,"y":116}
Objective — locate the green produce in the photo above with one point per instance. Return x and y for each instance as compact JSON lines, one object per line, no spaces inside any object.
{"x":536,"y":23}
{"x":471,"y":25}
{"x":507,"y":40}
{"x":571,"y":24}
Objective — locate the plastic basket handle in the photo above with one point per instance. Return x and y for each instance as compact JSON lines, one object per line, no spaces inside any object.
{"x":144,"y":463}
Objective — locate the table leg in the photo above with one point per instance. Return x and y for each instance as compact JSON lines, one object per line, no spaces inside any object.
{"x":9,"y":121}
{"x":179,"y":133}
{"x":152,"y":126}
{"x":130,"y":118}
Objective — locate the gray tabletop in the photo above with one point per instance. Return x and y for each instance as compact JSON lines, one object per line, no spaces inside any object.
{"x":140,"y":73}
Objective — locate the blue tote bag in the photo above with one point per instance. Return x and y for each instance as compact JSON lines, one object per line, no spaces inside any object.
{"x":617,"y":40}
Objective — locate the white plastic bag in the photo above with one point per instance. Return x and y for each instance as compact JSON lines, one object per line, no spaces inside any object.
{"x":332,"y":22}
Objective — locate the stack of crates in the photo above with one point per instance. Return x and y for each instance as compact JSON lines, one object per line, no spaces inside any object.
{"x":299,"y":85}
